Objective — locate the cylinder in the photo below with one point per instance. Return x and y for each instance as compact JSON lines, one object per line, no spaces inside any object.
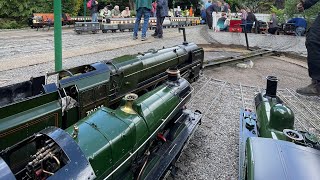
{"x":272,"y":83}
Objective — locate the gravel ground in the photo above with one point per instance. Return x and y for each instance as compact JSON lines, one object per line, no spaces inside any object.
{"x":212,"y":153}
{"x":83,"y":49}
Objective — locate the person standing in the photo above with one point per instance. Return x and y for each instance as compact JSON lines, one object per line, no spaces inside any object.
{"x":251,"y":18}
{"x":161,"y":13}
{"x":143,"y":8}
{"x":313,"y":49}
{"x":94,"y":11}
{"x":225,"y":6}
{"x":207,"y":4}
{"x":214,"y":7}
{"x":154,"y":9}
{"x":244,"y":16}
{"x":273,"y":26}
{"x":191,"y":11}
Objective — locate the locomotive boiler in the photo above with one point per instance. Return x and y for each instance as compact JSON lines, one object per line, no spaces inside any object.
{"x":30,"y":106}
{"x":269,"y":147}
{"x":138,"y":140}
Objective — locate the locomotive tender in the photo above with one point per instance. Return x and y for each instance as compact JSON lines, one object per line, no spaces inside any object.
{"x":269,"y":148}
{"x":30,"y":106}
{"x":138,"y":140}
{"x":121,"y":24}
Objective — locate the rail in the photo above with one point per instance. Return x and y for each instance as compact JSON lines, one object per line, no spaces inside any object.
{"x":235,"y":59}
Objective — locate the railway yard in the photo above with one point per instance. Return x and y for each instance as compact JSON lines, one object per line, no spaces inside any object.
{"x":220,"y":93}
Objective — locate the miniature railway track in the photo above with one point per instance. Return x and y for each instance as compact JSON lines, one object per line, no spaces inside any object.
{"x":212,"y":92}
{"x":305,"y":112}
{"x":235,"y":59}
{"x":214,"y":97}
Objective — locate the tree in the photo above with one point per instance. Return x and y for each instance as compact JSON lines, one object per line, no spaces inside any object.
{"x":309,"y":14}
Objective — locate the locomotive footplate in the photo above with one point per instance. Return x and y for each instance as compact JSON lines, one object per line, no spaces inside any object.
{"x":171,"y":149}
{"x":248,"y":128}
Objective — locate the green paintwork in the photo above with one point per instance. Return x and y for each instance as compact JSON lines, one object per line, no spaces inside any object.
{"x":92,"y":93}
{"x":131,"y":73}
{"x":29,"y":117}
{"x":267,"y":154}
{"x":140,"y":67}
{"x":249,"y":161}
{"x":107,"y":137}
{"x":273,"y":117}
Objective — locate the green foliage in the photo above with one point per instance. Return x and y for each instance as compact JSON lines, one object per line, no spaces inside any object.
{"x":256,"y":6}
{"x":21,"y":10}
{"x":313,"y":11}
{"x":133,"y":13}
{"x":291,"y":8}
{"x":280,"y":14}
{"x":9,"y":24}
{"x":77,"y":7}
{"x":291,"y":11}
{"x":71,"y":7}
{"x":15,"y":9}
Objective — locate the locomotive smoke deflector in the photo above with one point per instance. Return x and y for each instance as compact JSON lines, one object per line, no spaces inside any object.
{"x":272,"y":82}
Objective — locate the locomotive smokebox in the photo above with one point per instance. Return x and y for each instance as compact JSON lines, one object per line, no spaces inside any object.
{"x":173,"y":74}
{"x":272,"y":83}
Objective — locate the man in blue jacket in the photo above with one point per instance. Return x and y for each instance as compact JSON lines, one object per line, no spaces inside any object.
{"x":313,"y":48}
{"x":161,"y":13}
{"x":300,"y":25}
{"x":143,"y":8}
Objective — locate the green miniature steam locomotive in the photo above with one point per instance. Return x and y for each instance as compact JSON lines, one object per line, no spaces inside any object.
{"x":137,"y":140}
{"x":269,"y":147}
{"x":29,"y":107}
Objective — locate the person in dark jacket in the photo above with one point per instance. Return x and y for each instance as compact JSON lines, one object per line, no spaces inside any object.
{"x":94,"y":11}
{"x":214,"y":7}
{"x":251,"y":18}
{"x":313,"y":49}
{"x":143,"y":8}
{"x":161,"y":13}
{"x":273,"y":26}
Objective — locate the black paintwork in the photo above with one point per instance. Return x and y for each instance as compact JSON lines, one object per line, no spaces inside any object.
{"x":16,"y":92}
{"x":98,"y":69}
{"x":171,"y":149}
{"x":78,"y":166}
